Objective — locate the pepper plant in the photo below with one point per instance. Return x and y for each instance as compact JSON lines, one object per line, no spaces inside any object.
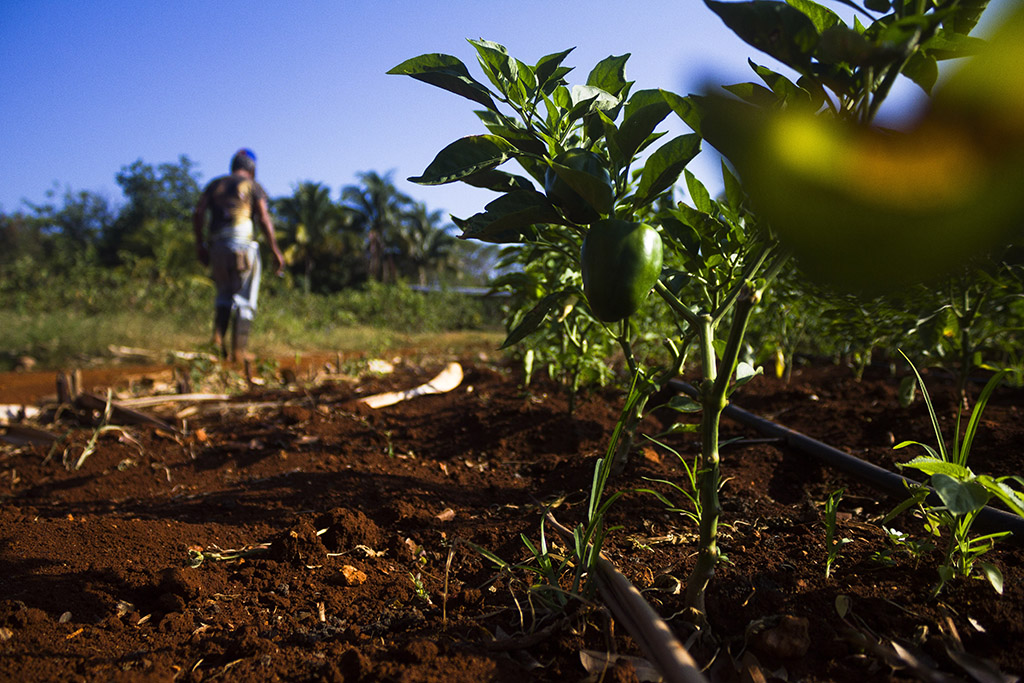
{"x":595,"y":196}
{"x":598,"y":173}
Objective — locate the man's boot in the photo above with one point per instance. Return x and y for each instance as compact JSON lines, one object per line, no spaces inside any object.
{"x":221,"y":320}
{"x":240,"y":339}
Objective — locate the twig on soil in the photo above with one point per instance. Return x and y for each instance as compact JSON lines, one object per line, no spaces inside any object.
{"x":648,"y":629}
{"x":146,"y":401}
{"x":23,"y":435}
{"x":197,"y":555}
{"x":121,"y":414}
{"x":446,"y":380}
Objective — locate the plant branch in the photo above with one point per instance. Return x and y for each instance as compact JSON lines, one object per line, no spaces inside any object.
{"x":692,"y":318}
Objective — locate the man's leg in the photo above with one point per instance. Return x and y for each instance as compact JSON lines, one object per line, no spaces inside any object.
{"x":240,"y":338}
{"x":221,"y":319}
{"x":246,"y":292}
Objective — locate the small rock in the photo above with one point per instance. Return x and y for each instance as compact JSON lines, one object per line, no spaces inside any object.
{"x":181,"y":582}
{"x":347,"y":529}
{"x":299,"y":546}
{"x":350,"y":576}
{"x":788,"y":638}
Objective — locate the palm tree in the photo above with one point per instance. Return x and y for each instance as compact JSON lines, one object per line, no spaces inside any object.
{"x":379,"y":209}
{"x":425,"y":245}
{"x":308,"y":232}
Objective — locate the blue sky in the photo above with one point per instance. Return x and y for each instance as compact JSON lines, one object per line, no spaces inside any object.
{"x":89,"y":87}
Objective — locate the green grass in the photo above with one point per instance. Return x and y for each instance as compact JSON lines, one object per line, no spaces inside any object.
{"x":179,"y":318}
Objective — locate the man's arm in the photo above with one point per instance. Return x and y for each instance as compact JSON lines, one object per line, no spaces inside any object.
{"x":198,"y":223}
{"x":267,"y":225}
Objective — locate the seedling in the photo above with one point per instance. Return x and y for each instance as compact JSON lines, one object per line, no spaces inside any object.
{"x":832,"y":544}
{"x":962,"y":494}
{"x":903,"y":542}
{"x":421,"y":590}
{"x":688,"y":492}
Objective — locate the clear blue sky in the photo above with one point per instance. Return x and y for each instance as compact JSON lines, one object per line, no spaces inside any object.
{"x":91,"y":86}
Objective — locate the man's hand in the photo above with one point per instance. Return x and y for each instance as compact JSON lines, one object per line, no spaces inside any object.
{"x":279,"y":261}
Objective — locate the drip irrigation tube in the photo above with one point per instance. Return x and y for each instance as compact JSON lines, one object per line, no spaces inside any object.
{"x":989,"y":520}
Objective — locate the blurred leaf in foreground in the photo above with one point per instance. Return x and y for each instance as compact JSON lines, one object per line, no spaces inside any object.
{"x":870,"y":209}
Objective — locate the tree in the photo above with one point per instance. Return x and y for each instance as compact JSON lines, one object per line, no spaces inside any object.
{"x":318,"y":238}
{"x":20,"y":238}
{"x":379,"y":208}
{"x":155,"y":221}
{"x":72,"y":230}
{"x":424,"y":245}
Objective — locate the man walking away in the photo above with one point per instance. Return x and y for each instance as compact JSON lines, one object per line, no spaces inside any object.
{"x":234,"y":203}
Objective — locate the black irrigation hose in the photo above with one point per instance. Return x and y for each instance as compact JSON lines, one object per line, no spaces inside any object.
{"x":989,"y":520}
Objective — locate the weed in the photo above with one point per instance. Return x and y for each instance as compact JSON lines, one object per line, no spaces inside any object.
{"x":962,"y":495}
{"x":421,"y":590}
{"x":832,"y":544}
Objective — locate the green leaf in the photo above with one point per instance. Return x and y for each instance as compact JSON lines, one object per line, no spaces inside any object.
{"x":681,"y":233}
{"x":946,"y":44}
{"x":664,"y":166}
{"x":1011,"y":498}
{"x":979,"y":407}
{"x":611,"y":138}
{"x":745,"y":372}
{"x":509,"y":217}
{"x":589,"y":98}
{"x":644,"y":111}
{"x":918,"y":495}
{"x":549,"y":70}
{"x":785,"y":89}
{"x":610,"y":75}
{"x":823,"y":17}
{"x":922,"y":69}
{"x":498,"y":181}
{"x":966,"y":15}
{"x":684,"y":404}
{"x":595,"y":191}
{"x":446,"y":72}
{"x":699,"y":194}
{"x":814,"y":89}
{"x":682,"y":428}
{"x":907,"y":390}
{"x":994,"y":576}
{"x":511,"y":77}
{"x":933,"y":466}
{"x":464,"y":157}
{"x":960,"y":497}
{"x":733,"y":189}
{"x":486,"y":228}
{"x":754,"y":93}
{"x":523,"y":140}
{"x":517,"y":281}
{"x":494,"y":59}
{"x":685,"y":108}
{"x":533,"y":319}
{"x":931,"y":409}
{"x":778,"y":29}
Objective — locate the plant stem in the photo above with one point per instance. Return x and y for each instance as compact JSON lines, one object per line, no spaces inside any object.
{"x":676,"y":305}
{"x":713,"y":394}
{"x":708,"y":475}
